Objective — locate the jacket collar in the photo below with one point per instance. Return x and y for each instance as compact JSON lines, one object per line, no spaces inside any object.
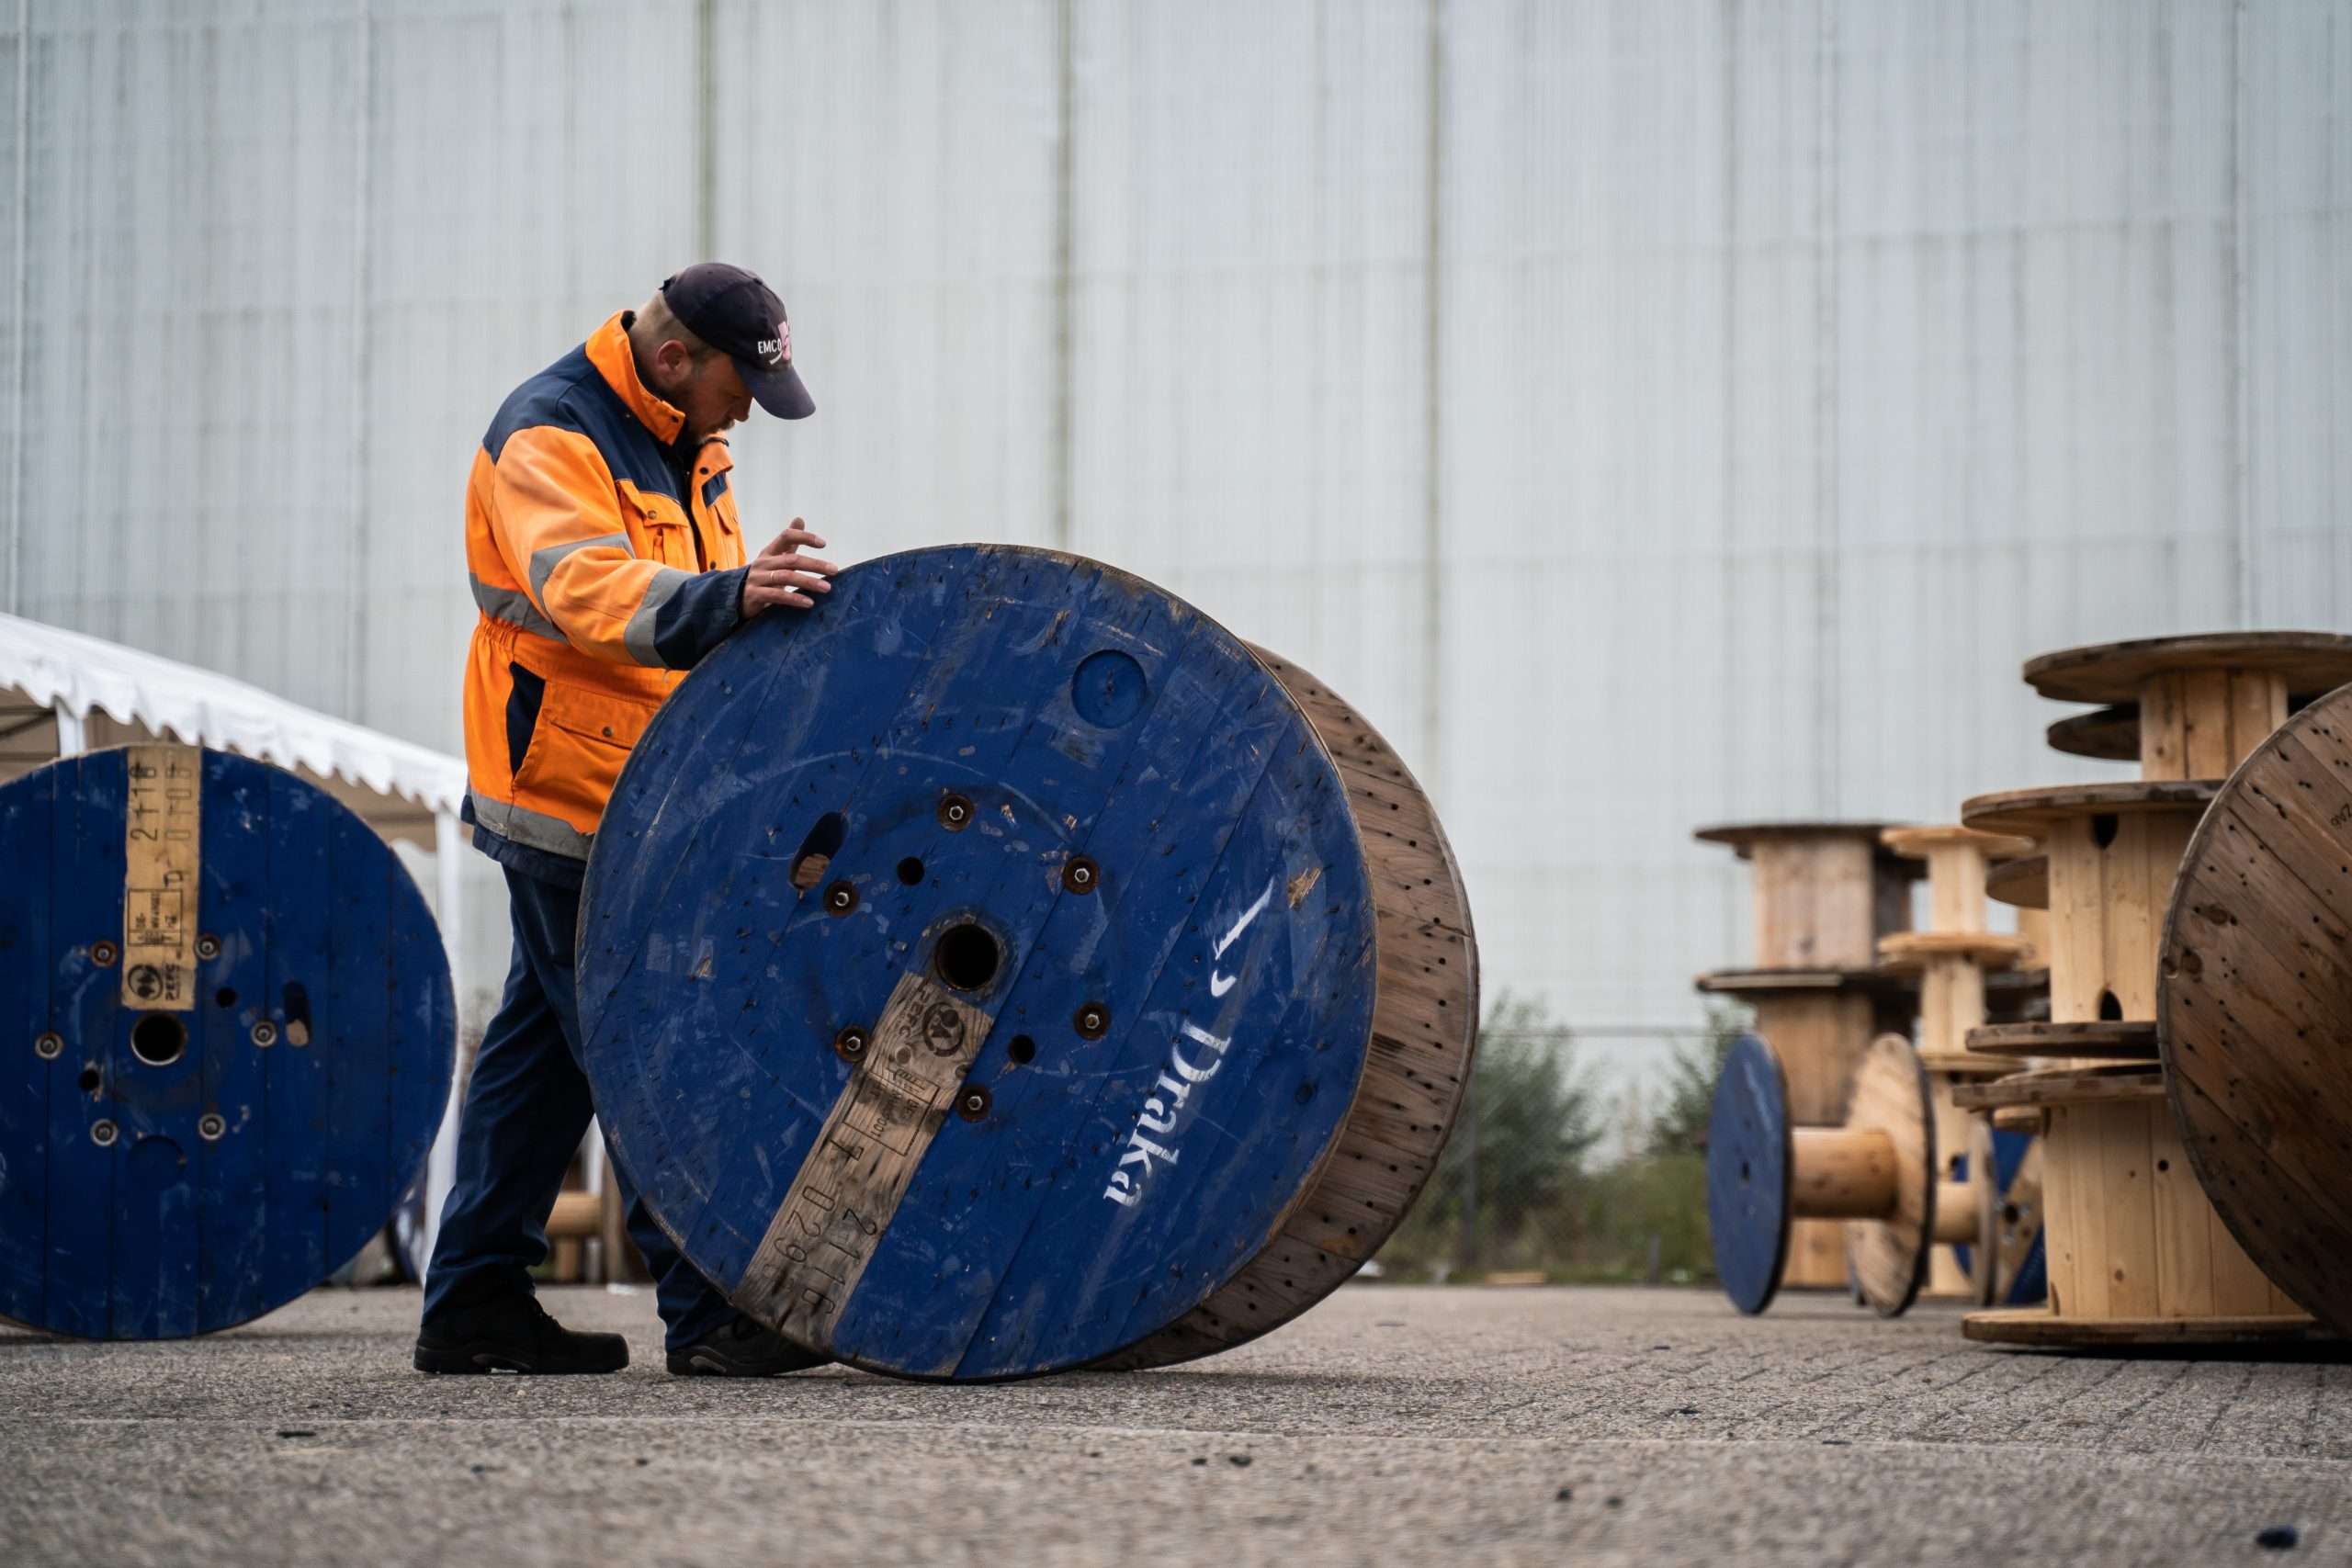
{"x":609,"y":351}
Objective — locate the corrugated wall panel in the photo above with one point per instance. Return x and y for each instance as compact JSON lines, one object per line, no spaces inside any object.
{"x":893,"y":168}
{"x":1649,"y":413}
{"x":1249,"y":424}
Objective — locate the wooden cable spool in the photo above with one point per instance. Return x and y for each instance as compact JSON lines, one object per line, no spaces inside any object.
{"x":1824,"y":894}
{"x":1877,"y":1173}
{"x":2254,"y":1014}
{"x":2136,"y":1253}
{"x":990,"y":973}
{"x":2196,"y":704}
{"x":232,"y":1039}
{"x":1953,"y":958}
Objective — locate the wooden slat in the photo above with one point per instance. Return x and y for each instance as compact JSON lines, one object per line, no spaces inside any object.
{"x":2164,"y":728}
{"x":2074,"y":1235}
{"x":2184,"y":1226}
{"x":2128,"y":1257}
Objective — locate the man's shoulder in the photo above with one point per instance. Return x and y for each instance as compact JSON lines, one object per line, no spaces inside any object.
{"x":551,"y":396}
{"x":572,"y":395}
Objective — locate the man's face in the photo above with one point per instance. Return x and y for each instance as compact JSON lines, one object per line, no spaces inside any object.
{"x":712,"y":396}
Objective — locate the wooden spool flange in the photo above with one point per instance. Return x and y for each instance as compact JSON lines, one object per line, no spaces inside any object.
{"x":1877,"y":1171}
{"x":2104,"y":1041}
{"x":230,"y":1038}
{"x":2201,"y":703}
{"x":2254,"y":1016}
{"x":928,"y":1164}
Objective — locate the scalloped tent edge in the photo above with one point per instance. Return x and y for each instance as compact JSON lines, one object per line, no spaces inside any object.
{"x":70,"y":674}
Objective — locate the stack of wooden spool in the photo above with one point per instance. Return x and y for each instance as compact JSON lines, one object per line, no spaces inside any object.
{"x":2137,"y":1252}
{"x":1953,"y":957}
{"x":1827,"y":893}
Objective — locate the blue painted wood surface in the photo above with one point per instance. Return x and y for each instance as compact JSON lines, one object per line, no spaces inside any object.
{"x":2032,"y":1281}
{"x":1749,"y":1162}
{"x":1081,"y":711}
{"x":165,"y":1232}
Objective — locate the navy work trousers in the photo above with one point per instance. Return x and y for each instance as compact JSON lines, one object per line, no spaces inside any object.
{"x":527,"y":1108}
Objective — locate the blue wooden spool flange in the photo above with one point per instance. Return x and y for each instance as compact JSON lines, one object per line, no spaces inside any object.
{"x":975,"y":970}
{"x":1750,"y":1161}
{"x":2029,"y":1280}
{"x":211,"y":1095}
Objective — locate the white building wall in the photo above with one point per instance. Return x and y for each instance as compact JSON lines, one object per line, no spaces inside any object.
{"x":1649,"y":412}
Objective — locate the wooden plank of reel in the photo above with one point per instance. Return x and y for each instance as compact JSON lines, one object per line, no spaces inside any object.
{"x":1877,"y":1173}
{"x":1077,"y":1020}
{"x":2253,"y":1016}
{"x":1824,"y":894}
{"x":238,"y":1037}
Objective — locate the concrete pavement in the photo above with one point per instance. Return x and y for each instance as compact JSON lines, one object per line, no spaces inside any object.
{"x":1392,"y":1424}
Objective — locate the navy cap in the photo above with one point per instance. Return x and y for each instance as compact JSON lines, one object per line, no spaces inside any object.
{"x":734,"y":312}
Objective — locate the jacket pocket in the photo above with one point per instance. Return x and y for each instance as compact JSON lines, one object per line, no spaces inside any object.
{"x":524,"y":695}
{"x":576,"y":753}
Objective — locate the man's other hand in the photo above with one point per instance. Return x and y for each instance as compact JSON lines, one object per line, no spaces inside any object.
{"x":780,"y":574}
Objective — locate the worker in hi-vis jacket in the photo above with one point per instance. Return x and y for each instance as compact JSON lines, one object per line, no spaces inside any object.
{"x":606,"y":557}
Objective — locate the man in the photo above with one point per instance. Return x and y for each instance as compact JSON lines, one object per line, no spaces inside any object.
{"x":602,"y":539}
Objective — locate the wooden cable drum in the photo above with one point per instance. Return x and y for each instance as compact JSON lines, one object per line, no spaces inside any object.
{"x":2253,"y":1020}
{"x":232,"y":1041}
{"x":1878,"y":1171}
{"x":2195,"y":705}
{"x":981,"y":972}
{"x":1424,"y":1029}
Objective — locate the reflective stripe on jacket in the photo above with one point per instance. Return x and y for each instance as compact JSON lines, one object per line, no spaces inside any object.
{"x":606,"y":561}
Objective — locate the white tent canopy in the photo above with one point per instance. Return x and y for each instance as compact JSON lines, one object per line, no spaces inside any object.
{"x":68,"y":675}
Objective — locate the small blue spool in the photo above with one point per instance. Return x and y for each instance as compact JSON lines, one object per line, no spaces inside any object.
{"x":1103,"y":850}
{"x":2032,"y":1281}
{"x":1750,"y":1161}
{"x":167,"y":1171}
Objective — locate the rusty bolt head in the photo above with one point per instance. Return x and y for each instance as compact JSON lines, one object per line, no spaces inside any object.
{"x":102,"y":1133}
{"x":265,"y":1033}
{"x":972,"y":1104}
{"x":1093,"y":1022}
{"x":839,"y":898}
{"x":209,"y":1127}
{"x":207,"y":946}
{"x":954,"y":813}
{"x":103,"y":954}
{"x":49,"y":1045}
{"x":1081,"y":874}
{"x":850,"y":1043}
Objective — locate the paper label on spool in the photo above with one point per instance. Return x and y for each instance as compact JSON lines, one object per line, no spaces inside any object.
{"x":162,"y":816}
{"x":849,"y":1187}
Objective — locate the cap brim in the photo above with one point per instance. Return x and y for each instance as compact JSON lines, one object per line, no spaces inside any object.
{"x":779,"y":390}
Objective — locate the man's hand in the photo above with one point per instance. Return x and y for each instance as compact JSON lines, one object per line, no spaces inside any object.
{"x":782,"y":575}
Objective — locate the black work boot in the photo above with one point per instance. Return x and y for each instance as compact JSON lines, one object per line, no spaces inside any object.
{"x":514,"y":1335}
{"x":743,"y":1349}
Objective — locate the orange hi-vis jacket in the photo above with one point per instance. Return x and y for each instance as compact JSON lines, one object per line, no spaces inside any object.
{"x":606,"y":561}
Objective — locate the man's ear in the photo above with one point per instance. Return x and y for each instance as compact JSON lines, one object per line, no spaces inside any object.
{"x":673,"y":359}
